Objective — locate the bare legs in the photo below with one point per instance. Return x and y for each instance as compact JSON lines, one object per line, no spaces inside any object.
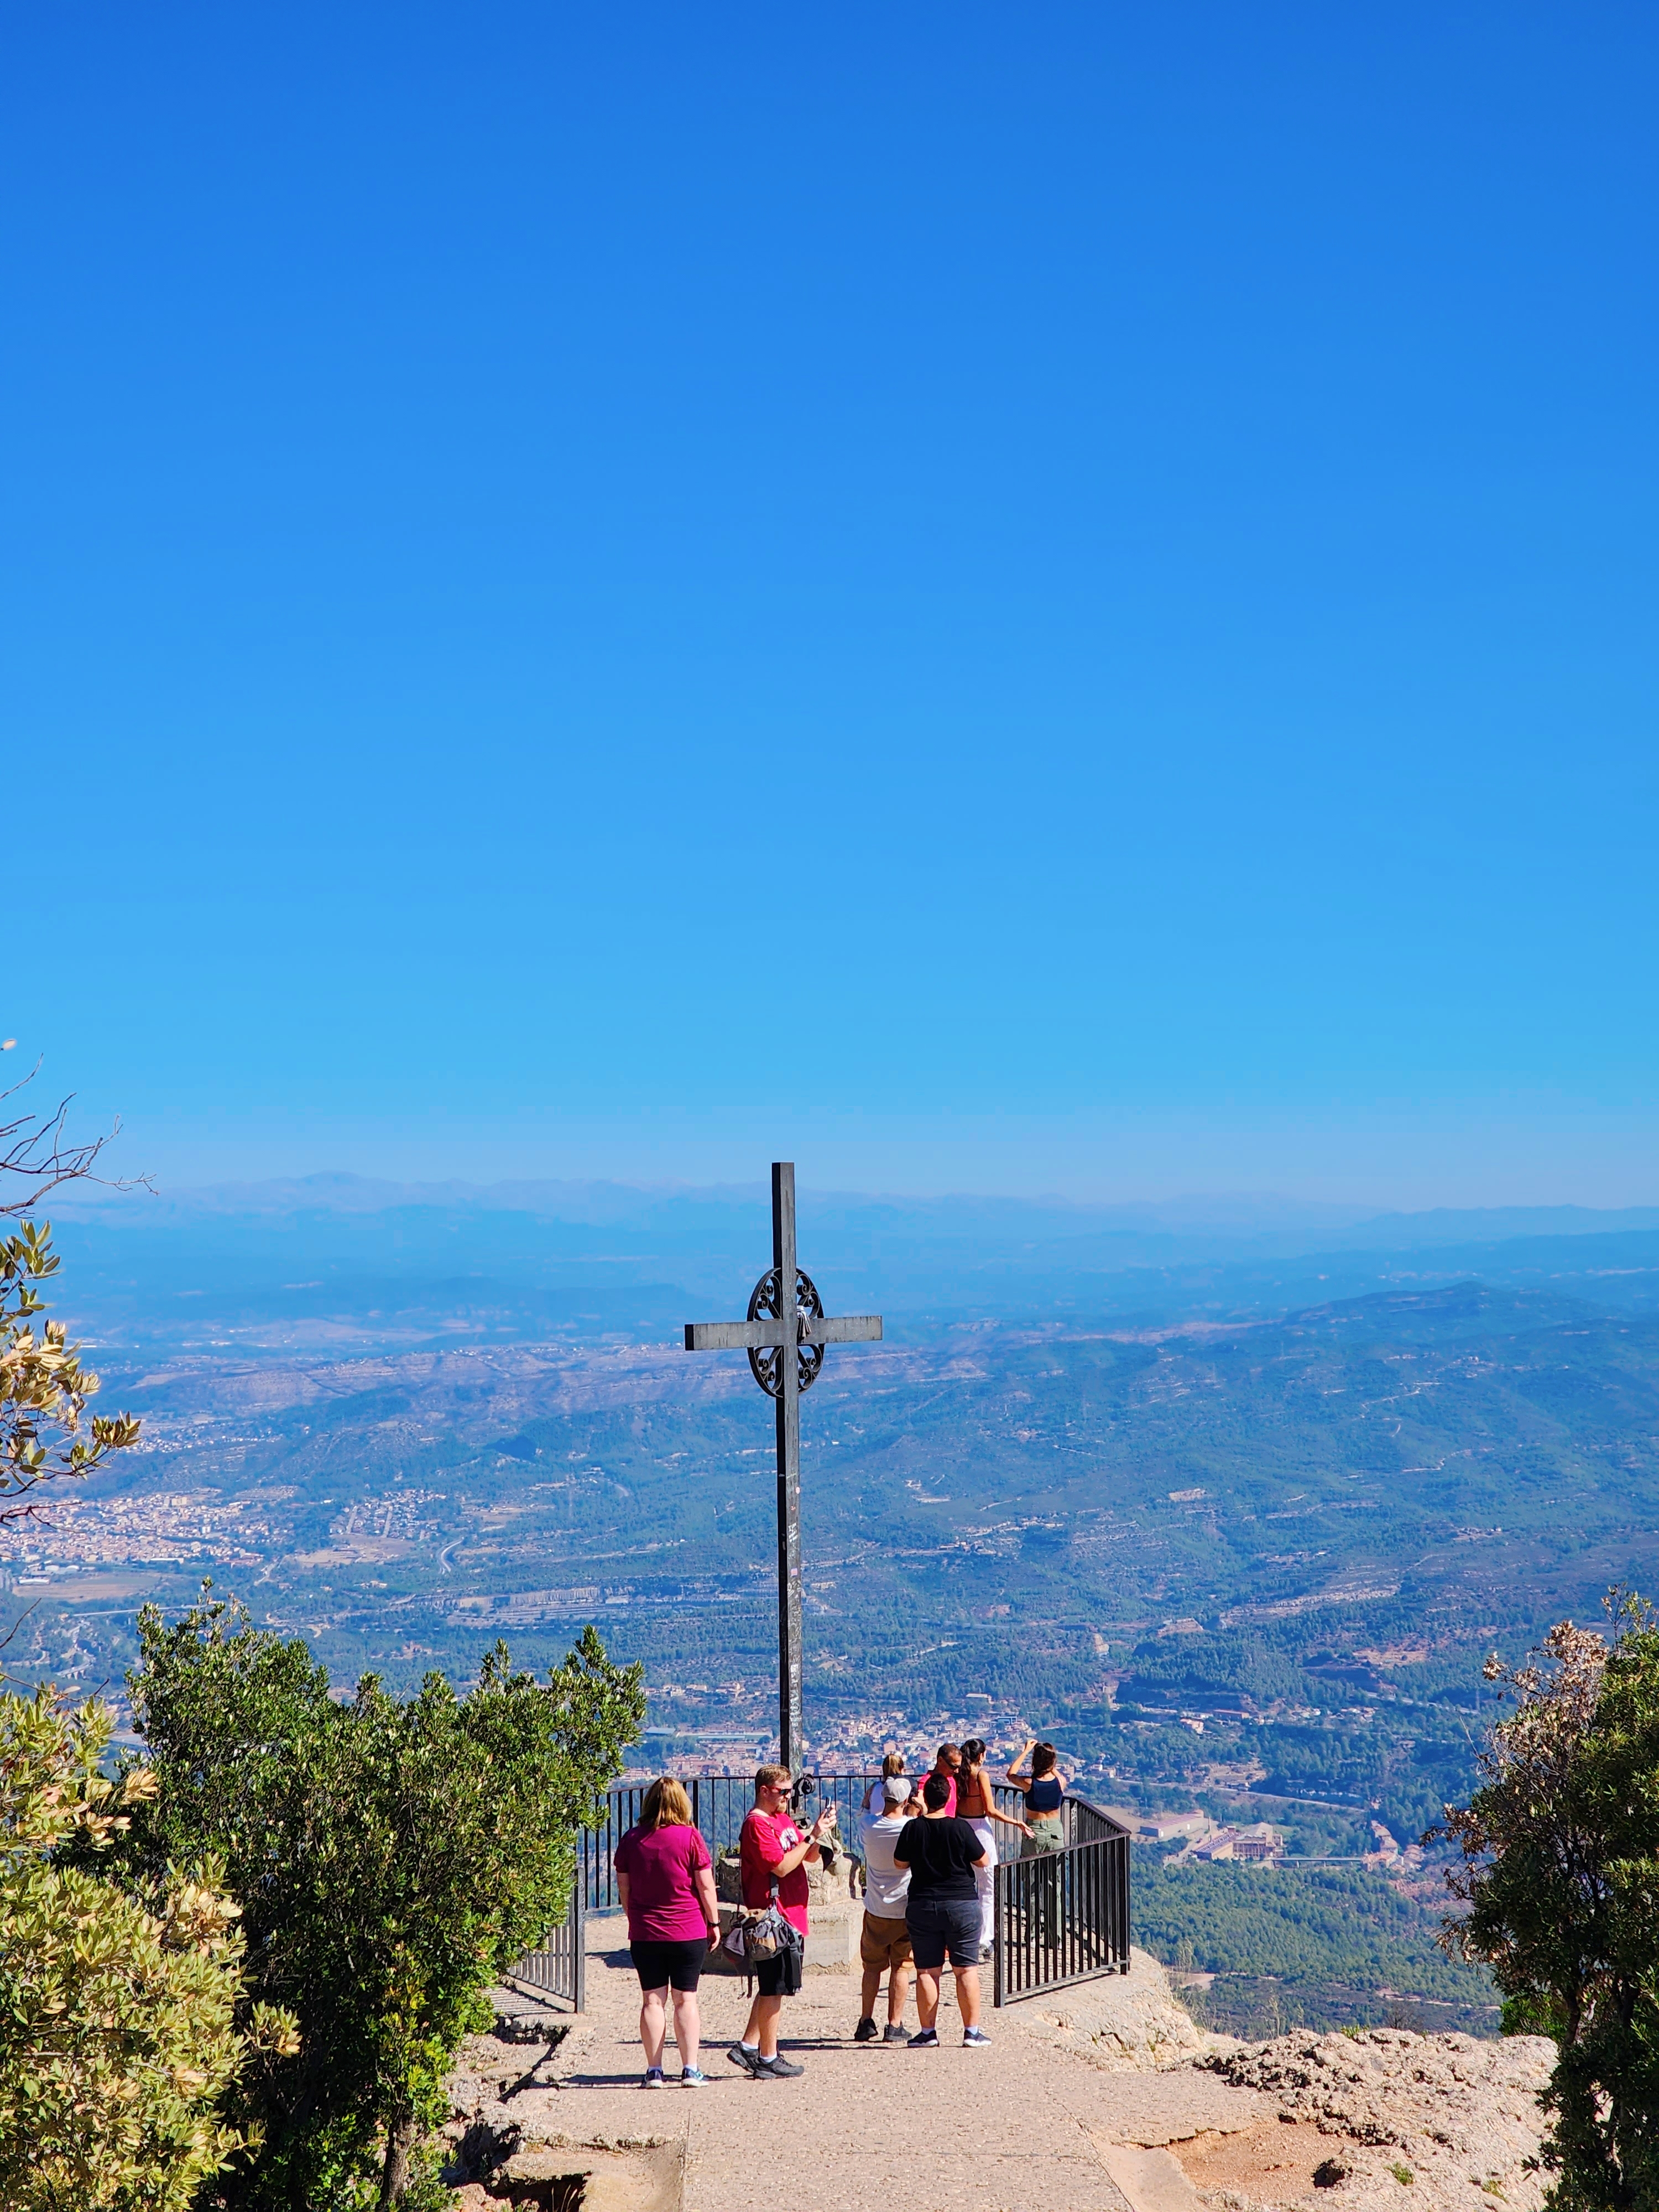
{"x":762,"y":2028}
{"x":898,"y":1988}
{"x":687,"y":2024}
{"x":928,"y":1980}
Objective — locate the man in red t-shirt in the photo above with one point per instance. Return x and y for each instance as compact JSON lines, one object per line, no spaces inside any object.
{"x":773,"y":1849}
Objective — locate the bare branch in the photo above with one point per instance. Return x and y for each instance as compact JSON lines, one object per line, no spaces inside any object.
{"x":16,"y":1484}
{"x":34,"y":1152}
{"x":18,"y":1623}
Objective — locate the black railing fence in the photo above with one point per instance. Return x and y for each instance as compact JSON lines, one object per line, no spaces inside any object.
{"x":1064,"y":1915}
{"x":720,"y":1803}
{"x":1061,"y":1918}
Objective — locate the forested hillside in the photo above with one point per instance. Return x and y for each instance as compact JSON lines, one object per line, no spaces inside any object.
{"x":1205,"y":1554}
{"x":1324,"y":1945}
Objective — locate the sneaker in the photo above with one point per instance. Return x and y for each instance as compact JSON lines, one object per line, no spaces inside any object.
{"x":975,"y":2038}
{"x":779,"y":2069}
{"x":987,"y":1953}
{"x":925,"y":2039}
{"x":692,"y":2077}
{"x":744,"y":2058}
{"x":895,"y":2032}
{"x":655,"y":2078}
{"x":864,"y":2032}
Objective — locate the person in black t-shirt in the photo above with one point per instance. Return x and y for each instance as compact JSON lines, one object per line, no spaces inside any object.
{"x":942,"y":1910}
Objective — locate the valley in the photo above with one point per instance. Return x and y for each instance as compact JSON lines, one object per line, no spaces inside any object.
{"x":1242,"y":1561}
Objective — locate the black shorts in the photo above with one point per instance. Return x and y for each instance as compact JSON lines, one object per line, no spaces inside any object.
{"x":938,"y":1924}
{"x":780,"y":1975}
{"x":675,"y":1964}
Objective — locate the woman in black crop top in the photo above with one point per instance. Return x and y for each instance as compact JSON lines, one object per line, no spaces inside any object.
{"x":1045,"y":1789}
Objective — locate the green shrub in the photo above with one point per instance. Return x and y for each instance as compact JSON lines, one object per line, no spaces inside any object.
{"x":394,"y":1856}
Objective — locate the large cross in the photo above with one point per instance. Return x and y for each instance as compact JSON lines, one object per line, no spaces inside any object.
{"x":784,"y":1322}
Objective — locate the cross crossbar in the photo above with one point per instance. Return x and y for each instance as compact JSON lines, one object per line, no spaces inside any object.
{"x":759,"y":1335}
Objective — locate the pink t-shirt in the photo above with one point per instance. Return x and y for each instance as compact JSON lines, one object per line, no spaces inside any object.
{"x":663,"y":1907}
{"x":764,"y":1840}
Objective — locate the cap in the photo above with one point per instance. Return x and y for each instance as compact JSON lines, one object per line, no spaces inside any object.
{"x":897,"y":1788}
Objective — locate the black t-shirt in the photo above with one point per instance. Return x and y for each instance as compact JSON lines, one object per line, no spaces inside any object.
{"x":941,"y":1855}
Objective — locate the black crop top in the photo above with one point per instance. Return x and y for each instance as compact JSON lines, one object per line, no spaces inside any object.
{"x":1044,"y":1795}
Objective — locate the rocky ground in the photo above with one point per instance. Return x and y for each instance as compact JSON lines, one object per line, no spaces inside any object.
{"x":1106,"y":2097}
{"x":1360,"y":2116}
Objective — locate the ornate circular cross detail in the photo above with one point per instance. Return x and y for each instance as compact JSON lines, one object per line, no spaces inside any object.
{"x":767,"y":1366}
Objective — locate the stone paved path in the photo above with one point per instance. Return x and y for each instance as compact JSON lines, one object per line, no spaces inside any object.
{"x":1020,"y":2127}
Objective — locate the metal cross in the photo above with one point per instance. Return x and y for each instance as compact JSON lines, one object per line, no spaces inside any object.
{"x":780,"y":1324}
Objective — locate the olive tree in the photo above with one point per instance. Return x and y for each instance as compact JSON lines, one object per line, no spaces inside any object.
{"x":44,"y":1389}
{"x":117,"y":2038}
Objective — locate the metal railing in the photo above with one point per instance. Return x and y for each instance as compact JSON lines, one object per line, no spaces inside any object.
{"x":559,"y":1968}
{"x":1061,"y":1917}
{"x":719,"y":1804}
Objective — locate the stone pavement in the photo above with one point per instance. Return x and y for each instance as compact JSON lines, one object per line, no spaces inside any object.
{"x":1035,"y":2123}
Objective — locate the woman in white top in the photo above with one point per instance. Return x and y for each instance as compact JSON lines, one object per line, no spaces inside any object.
{"x":976,"y":1804}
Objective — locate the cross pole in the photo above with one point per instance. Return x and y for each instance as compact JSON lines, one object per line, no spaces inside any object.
{"x":784,"y":1335}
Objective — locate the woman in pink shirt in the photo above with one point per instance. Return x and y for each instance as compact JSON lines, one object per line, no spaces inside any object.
{"x":667,"y":1888}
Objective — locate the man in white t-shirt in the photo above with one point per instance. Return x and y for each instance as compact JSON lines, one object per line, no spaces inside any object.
{"x":885,"y":1940}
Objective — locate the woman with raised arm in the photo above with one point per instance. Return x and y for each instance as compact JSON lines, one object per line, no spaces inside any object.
{"x":1037,"y":1773}
{"x":977,"y":1805}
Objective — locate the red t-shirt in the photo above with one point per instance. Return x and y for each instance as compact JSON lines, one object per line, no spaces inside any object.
{"x":764,"y":1840}
{"x":951,"y":1801}
{"x":663,"y":1907}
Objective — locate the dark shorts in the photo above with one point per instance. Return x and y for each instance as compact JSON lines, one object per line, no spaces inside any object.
{"x":674,"y":1966}
{"x":780,"y":1975}
{"x":942,"y":1925}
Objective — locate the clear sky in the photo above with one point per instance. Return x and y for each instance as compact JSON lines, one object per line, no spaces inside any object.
{"x":1053,"y":598}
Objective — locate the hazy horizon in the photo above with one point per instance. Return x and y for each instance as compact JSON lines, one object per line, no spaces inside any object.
{"x":351,"y":1190}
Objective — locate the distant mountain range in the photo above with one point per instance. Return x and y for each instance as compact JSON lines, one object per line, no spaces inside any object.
{"x":340,"y":1244}
{"x":1224,"y":1225}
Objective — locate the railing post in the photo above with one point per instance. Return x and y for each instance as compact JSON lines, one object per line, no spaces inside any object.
{"x":578,"y":1924}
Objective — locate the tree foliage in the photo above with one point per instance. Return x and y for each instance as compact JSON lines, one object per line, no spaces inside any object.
{"x":44,"y":1389}
{"x":117,"y":2039}
{"x":1343,"y":1926}
{"x":392,"y":1857}
{"x":1561,"y":1874}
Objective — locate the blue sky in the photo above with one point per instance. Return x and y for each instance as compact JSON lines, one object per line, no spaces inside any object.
{"x":1063,"y":604}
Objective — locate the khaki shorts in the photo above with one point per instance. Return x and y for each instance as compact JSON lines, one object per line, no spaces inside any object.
{"x":884,"y":1942}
